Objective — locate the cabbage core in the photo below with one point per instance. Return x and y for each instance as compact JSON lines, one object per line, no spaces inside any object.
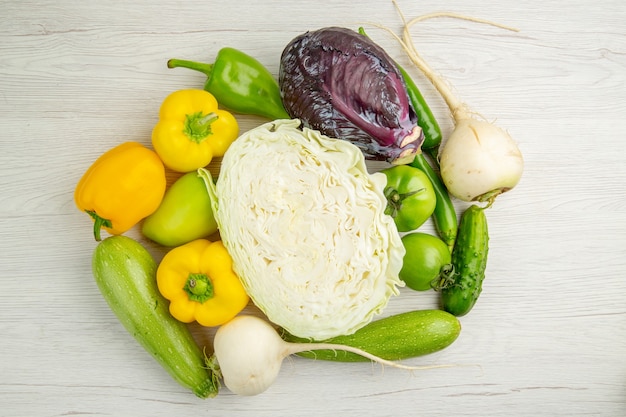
{"x":304,"y":223}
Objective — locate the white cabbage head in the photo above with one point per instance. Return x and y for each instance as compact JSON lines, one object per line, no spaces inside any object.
{"x":304,"y":223}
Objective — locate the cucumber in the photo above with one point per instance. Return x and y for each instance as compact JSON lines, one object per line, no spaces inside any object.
{"x":469,"y":261}
{"x":401,"y":336}
{"x":126,"y":276}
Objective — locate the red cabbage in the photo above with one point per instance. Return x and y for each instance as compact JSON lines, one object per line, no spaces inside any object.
{"x":339,"y":82}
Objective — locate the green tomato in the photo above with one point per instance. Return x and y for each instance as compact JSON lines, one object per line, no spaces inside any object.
{"x":426,"y":256}
{"x":185,"y":214}
{"x":410,"y":196}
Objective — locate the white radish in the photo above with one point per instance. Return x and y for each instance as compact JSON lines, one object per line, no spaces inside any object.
{"x":479,"y":160}
{"x":250,"y":352}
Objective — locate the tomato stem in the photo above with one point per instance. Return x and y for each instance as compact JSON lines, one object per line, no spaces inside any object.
{"x":395,"y":199}
{"x":445,"y":279}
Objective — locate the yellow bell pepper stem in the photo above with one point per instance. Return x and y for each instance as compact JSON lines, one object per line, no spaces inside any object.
{"x":198,"y":126}
{"x":199,"y":287}
{"x":98,"y":224}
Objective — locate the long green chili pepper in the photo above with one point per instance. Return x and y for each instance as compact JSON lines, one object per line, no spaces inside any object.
{"x":425,"y":118}
{"x":444,"y":216}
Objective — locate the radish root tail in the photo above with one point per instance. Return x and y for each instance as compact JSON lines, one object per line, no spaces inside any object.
{"x":297,"y":347}
{"x":458,"y":109}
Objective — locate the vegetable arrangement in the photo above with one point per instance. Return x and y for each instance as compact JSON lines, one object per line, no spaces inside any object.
{"x":294,"y":223}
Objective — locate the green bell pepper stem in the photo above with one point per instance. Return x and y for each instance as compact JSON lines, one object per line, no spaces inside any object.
{"x":197,"y":66}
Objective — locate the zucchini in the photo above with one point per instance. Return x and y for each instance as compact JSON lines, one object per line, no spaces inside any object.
{"x":469,"y":261}
{"x":397,"y":337}
{"x":126,"y":276}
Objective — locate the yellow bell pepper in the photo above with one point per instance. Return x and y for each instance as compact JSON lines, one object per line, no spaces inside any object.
{"x":192,"y":130}
{"x":200,"y":283}
{"x":124,"y":185}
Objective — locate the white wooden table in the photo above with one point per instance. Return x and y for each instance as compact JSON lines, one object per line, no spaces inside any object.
{"x":548,"y":335}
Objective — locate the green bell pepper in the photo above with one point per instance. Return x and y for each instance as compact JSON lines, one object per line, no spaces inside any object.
{"x":410,"y":196}
{"x":185,"y":214}
{"x":240,"y":83}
